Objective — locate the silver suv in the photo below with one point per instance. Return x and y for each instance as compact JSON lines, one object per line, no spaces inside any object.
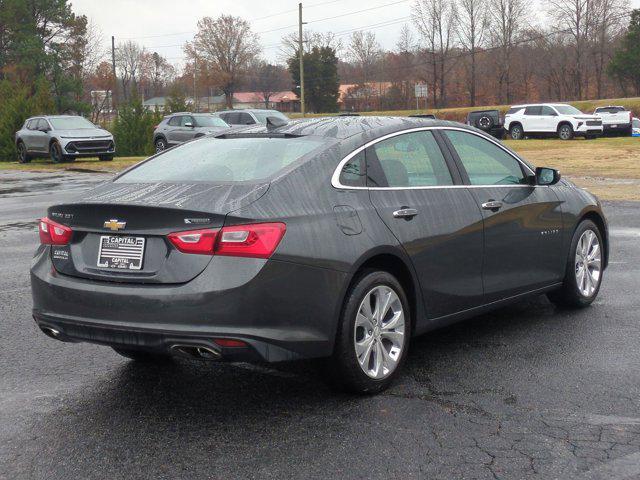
{"x":181,"y":127}
{"x":63,"y":138}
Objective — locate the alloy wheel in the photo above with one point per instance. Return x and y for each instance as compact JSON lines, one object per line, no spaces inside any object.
{"x":379,"y":333}
{"x":516,"y":133}
{"x":160,"y":146}
{"x":588,"y":263}
{"x":565,"y":132}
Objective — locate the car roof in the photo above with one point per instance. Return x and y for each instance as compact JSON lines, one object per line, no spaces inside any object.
{"x":249,"y":110}
{"x":341,"y":127}
{"x":539,"y":105}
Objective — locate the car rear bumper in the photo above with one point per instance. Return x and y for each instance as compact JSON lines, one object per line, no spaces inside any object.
{"x":282,"y":311}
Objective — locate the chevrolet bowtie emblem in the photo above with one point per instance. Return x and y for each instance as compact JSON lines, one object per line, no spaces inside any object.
{"x":114,"y":224}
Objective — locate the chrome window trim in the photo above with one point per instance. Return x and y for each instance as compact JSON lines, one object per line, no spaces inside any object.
{"x":335,"y":178}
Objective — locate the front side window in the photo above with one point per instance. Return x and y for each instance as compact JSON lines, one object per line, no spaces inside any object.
{"x":411,"y":160}
{"x":485,"y":162}
{"x":71,"y":123}
{"x":547,"y":111}
{"x":246,"y":119}
{"x":239,"y":159}
{"x":568,"y":110}
{"x":210,"y":121}
{"x":262,"y":116}
{"x":186,"y":121}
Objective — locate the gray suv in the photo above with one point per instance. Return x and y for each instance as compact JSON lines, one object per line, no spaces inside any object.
{"x":63,"y":138}
{"x":250,"y":116}
{"x":181,"y":127}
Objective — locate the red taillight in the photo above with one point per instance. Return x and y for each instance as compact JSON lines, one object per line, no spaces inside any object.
{"x":229,"y":342}
{"x":195,"y":241}
{"x":52,"y":233}
{"x":257,"y":240}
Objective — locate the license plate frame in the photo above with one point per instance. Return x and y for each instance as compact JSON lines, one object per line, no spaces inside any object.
{"x":121,"y":252}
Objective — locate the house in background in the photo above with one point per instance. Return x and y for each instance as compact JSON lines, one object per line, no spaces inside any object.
{"x":283,"y":101}
{"x":362,"y":97}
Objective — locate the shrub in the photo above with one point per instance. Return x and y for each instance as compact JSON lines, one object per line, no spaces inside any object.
{"x":133,"y":128}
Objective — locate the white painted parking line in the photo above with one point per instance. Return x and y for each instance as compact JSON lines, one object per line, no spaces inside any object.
{"x":624,"y":232}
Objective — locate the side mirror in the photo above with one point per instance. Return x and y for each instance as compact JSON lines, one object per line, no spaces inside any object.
{"x":188,"y":125}
{"x":547,"y":176}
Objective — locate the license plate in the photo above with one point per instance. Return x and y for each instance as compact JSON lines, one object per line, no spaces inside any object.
{"x":121,"y":253}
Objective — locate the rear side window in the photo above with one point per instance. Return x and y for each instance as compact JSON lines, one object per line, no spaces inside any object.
{"x":411,"y":160}
{"x":485,"y":162}
{"x":513,"y":110}
{"x":353,"y":172}
{"x":175,"y":121}
{"x":533,"y":111}
{"x":233,"y":118}
{"x":32,"y":124}
{"x":224,"y":160}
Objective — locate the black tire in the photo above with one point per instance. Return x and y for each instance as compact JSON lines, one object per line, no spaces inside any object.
{"x":105,"y":158}
{"x":344,"y":370}
{"x":142,"y":355}
{"x":565,"y":132}
{"x":23,"y":156}
{"x":160,"y":144}
{"x":55,"y":153}
{"x":516,"y":132}
{"x":570,"y":295}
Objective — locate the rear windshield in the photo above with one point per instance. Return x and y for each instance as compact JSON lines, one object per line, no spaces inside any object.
{"x":610,"y":109}
{"x":70,"y":123}
{"x":212,"y":159}
{"x":210,"y":121}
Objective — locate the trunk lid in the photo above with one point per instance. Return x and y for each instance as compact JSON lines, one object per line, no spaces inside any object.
{"x":138,"y":217}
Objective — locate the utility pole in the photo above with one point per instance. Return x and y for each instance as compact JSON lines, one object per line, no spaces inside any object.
{"x":301,"y":52}
{"x":195,"y":98}
{"x":114,"y":92}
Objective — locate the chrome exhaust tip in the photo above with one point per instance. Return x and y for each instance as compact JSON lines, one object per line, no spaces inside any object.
{"x":50,"y":332}
{"x":196,"y":351}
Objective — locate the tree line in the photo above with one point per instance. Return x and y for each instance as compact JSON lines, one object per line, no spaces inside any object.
{"x":468,"y":52}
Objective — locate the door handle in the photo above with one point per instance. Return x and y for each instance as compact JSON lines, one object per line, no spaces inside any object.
{"x":492,"y":205}
{"x":405,"y":213}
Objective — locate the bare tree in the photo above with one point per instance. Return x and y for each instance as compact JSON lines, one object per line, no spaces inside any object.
{"x":129,"y":58}
{"x":365,"y":51}
{"x":609,"y":22}
{"x":472,"y":32}
{"x":268,"y":80}
{"x":437,"y":20}
{"x":228,"y":46}
{"x":156,"y":73}
{"x":507,"y":19}
{"x":577,"y":18}
{"x":310,"y":39}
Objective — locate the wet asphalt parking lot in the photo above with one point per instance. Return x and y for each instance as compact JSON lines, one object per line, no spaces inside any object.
{"x":524,"y":392}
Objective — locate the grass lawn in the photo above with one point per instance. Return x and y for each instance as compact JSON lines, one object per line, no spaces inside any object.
{"x":609,"y":167}
{"x":90,"y":164}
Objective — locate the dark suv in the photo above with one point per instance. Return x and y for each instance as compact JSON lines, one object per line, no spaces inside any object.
{"x":252,"y":116}
{"x":488,"y":121}
{"x":181,"y":127}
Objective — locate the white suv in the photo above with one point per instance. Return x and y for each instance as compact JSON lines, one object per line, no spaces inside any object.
{"x":547,"y":119}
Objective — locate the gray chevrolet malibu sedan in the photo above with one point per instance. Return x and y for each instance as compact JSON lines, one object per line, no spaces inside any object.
{"x":332,"y":237}
{"x":63,"y":138}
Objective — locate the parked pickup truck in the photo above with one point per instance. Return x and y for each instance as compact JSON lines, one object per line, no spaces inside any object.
{"x":616,"y":120}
